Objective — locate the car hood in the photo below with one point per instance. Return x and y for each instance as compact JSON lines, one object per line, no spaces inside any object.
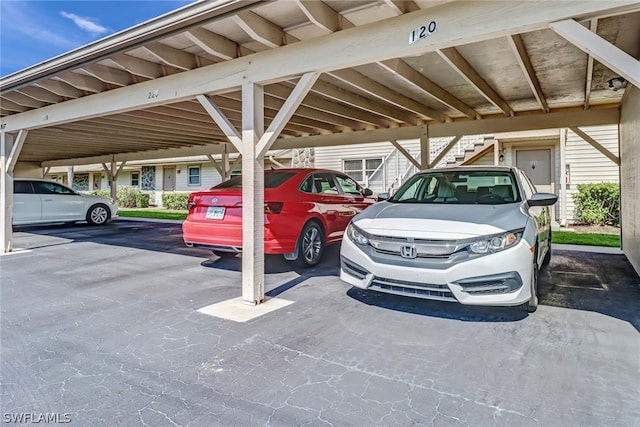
{"x":440,"y":221}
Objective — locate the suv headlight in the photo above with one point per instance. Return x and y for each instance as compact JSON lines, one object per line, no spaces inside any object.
{"x":356,"y":235}
{"x":495,"y":243}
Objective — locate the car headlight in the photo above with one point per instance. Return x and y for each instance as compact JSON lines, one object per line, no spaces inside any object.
{"x":495,"y":243}
{"x":356,"y":235}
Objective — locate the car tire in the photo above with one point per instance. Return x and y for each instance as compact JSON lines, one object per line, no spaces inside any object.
{"x":532,"y":305}
{"x":98,"y":214}
{"x":310,"y":245}
{"x":224,"y":254}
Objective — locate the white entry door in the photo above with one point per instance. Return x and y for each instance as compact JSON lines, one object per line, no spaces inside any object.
{"x":538,"y":165}
{"x":169,"y":181}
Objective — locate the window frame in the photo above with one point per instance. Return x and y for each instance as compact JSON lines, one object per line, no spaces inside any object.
{"x":363,"y":167}
{"x":190,"y":175}
{"x":137,"y":179}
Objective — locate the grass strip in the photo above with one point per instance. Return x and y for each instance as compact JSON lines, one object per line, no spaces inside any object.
{"x":591,"y":239}
{"x":152,"y":213}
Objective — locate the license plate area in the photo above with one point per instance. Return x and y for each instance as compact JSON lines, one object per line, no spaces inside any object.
{"x":215,"y":212}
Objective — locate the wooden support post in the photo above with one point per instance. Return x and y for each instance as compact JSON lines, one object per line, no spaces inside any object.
{"x":9,"y":151}
{"x":6,"y":194}
{"x":252,"y":195}
{"x":564,"y":178}
{"x":424,"y":147}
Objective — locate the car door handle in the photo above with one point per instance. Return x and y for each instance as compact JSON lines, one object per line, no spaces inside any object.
{"x":47,"y":200}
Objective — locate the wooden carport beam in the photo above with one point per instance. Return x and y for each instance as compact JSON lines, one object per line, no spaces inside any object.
{"x":213,"y":43}
{"x":321,"y":15}
{"x":225,"y":166}
{"x":260,"y":29}
{"x":458,"y":63}
{"x":382,"y":92}
{"x":402,"y":6}
{"x":593,"y":117}
{"x":525,"y":63}
{"x":221,"y":120}
{"x":280,"y":120}
{"x":593,"y":26}
{"x":318,"y":55}
{"x":615,"y":159}
{"x":252,"y":144}
{"x":406,"y":154}
{"x":404,"y":70}
{"x":15,"y":150}
{"x":112,"y":174}
{"x":424,"y":147}
{"x":9,"y":151}
{"x":172,"y":56}
{"x":608,"y":54}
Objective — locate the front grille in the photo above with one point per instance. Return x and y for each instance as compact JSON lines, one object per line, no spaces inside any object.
{"x":438,"y":249}
{"x":419,"y":255}
{"x":414,"y":289}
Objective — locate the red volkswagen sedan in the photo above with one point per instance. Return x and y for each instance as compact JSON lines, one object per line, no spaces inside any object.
{"x":304,"y":210}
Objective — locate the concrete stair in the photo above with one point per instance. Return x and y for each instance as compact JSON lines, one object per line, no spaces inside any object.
{"x":478,"y":149}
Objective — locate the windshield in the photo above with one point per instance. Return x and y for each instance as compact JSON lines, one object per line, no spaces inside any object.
{"x":271,"y":180}
{"x":459,"y":187}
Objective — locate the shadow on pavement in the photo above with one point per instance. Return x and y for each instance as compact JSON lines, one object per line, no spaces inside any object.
{"x":602,"y":283}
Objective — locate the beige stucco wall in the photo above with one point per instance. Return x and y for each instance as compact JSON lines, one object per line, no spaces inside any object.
{"x":630,"y":176}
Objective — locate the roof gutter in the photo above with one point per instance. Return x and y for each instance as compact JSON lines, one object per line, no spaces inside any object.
{"x":163,"y":26}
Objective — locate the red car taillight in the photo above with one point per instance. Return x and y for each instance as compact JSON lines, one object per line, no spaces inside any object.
{"x":191,"y":203}
{"x":273,"y":207}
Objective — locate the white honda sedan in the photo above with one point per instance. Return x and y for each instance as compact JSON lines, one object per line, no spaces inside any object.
{"x":38,"y":201}
{"x":473,"y":235}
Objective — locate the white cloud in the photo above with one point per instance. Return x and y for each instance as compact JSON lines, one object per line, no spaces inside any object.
{"x":20,"y":21}
{"x":85,"y":24}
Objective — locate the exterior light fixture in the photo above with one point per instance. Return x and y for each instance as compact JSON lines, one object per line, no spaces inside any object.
{"x":617,"y":83}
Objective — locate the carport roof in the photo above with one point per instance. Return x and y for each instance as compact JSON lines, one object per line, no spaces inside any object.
{"x":483,"y":62}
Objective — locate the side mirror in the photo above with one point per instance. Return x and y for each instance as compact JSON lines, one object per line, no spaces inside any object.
{"x":367,"y":192}
{"x":383,"y":196}
{"x":542,"y":199}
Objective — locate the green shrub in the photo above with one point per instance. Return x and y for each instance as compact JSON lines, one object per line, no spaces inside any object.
{"x":175,"y":201}
{"x":126,"y":197}
{"x":142,"y":200}
{"x":101,"y":193}
{"x":598,"y":203}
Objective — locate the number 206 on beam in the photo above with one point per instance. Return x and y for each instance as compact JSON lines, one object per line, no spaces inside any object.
{"x":422,"y":31}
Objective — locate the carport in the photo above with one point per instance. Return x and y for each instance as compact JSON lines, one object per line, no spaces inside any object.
{"x":247,"y":76}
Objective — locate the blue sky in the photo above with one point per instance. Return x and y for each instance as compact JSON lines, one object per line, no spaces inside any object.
{"x":35,"y":31}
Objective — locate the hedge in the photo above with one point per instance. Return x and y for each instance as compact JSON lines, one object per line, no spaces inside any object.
{"x":598,"y":204}
{"x":127,"y":197}
{"x":175,"y":201}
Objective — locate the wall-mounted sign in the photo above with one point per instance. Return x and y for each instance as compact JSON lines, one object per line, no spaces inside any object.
{"x":422,"y":31}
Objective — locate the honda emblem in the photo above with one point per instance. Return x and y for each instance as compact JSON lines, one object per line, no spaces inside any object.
{"x":409,"y":251}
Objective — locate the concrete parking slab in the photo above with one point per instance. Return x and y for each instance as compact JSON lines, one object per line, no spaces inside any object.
{"x":101,"y":324}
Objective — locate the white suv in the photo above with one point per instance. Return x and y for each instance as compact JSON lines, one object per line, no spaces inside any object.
{"x":37,"y":201}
